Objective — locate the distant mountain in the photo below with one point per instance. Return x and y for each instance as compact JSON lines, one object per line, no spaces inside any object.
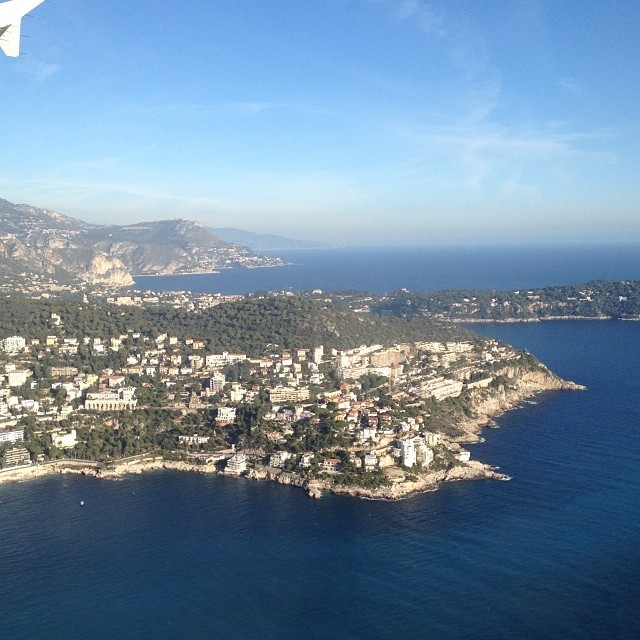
{"x":261,"y":241}
{"x":43,"y":241}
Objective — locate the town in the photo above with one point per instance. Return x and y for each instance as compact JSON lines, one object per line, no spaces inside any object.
{"x":371,"y":415}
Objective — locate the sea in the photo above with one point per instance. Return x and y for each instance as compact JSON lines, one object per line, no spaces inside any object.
{"x":386,"y":269}
{"x":552,"y":554}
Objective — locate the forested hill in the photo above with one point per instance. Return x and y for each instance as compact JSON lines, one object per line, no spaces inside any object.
{"x":248,"y":326}
{"x":598,"y":299}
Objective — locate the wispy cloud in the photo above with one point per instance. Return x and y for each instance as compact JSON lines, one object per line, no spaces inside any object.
{"x":466,"y":49}
{"x":39,"y":71}
{"x":571,"y":85}
{"x":424,"y":16}
{"x":511,"y":160}
{"x":203,"y":111}
{"x":465,"y":45}
{"x":469,"y":139}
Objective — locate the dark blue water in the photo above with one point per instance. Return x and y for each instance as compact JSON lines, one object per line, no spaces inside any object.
{"x":555,"y":553}
{"x":387,"y":269}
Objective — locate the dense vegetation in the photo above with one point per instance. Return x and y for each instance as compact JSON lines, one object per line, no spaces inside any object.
{"x":248,"y":326}
{"x":602,"y":298}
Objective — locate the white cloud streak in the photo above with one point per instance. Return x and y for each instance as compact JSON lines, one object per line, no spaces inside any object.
{"x":271,"y":198}
{"x":571,"y":85}
{"x":37,"y":70}
{"x":486,"y":152}
{"x":203,"y":111}
{"x":468,"y":139}
{"x":427,"y":20}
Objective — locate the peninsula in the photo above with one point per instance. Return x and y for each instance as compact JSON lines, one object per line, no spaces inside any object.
{"x":290,"y":388}
{"x":597,"y":300}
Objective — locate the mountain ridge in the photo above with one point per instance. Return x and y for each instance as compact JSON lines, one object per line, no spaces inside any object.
{"x":44,"y":241}
{"x":262,"y":241}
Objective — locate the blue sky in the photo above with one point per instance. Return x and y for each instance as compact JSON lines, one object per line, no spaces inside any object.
{"x":348,"y":121}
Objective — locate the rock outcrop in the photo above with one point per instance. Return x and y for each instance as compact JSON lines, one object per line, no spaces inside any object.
{"x":520,"y":384}
{"x":108,"y":270}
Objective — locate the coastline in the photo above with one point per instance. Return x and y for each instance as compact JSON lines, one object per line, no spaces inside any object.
{"x":525,"y":320}
{"x":315,"y":488}
{"x":486,"y":407}
{"x":107,"y":471}
{"x":208,"y":272}
{"x":166,"y":275}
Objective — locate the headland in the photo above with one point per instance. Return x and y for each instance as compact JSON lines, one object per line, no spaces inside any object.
{"x":269,"y":387}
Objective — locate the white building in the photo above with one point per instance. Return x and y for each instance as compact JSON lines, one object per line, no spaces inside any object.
{"x":111,"y":400}
{"x":194,"y":439}
{"x":432,"y":439}
{"x":408,"y":452}
{"x":278,"y":459}
{"x":353,"y":372}
{"x":11,"y":435}
{"x":279,"y":395}
{"x":318,"y":354}
{"x":459,"y":347}
{"x":370,"y":461}
{"x":441,"y":388}
{"x":17,"y":378}
{"x":306,"y":459}
{"x":433,"y":347}
{"x":65,"y":440}
{"x":236,"y":464}
{"x":369,"y":433}
{"x":13,"y":344}
{"x":225,"y":415}
{"x":220,"y":359}
{"x":237,"y":393}
{"x":16,"y":456}
{"x":424,"y":453}
{"x":216,"y":382}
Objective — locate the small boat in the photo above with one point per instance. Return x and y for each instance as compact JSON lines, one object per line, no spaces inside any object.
{"x":82,"y":503}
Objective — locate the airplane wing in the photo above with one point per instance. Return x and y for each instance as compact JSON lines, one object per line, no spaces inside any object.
{"x":11,"y":14}
{"x":10,"y":39}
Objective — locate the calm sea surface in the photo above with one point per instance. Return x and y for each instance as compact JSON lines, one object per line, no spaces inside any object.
{"x":555,"y":553}
{"x":381,"y":270}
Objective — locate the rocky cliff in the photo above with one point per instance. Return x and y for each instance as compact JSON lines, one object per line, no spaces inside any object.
{"x":518,"y":384}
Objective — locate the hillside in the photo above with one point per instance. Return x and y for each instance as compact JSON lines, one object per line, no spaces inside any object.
{"x":250,"y":326}
{"x":597,"y":299}
{"x":42,"y":241}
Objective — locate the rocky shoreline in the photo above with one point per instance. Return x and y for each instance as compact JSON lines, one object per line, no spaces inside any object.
{"x":524,"y":385}
{"x":428,"y":481}
{"x":524,"y":320}
{"x":485,"y":406}
{"x":472,"y":470}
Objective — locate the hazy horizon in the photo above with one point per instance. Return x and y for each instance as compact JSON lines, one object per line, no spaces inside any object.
{"x":374,"y":121}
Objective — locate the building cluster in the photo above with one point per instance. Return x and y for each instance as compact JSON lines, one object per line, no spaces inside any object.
{"x":176,"y":299}
{"x":297,"y":383}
